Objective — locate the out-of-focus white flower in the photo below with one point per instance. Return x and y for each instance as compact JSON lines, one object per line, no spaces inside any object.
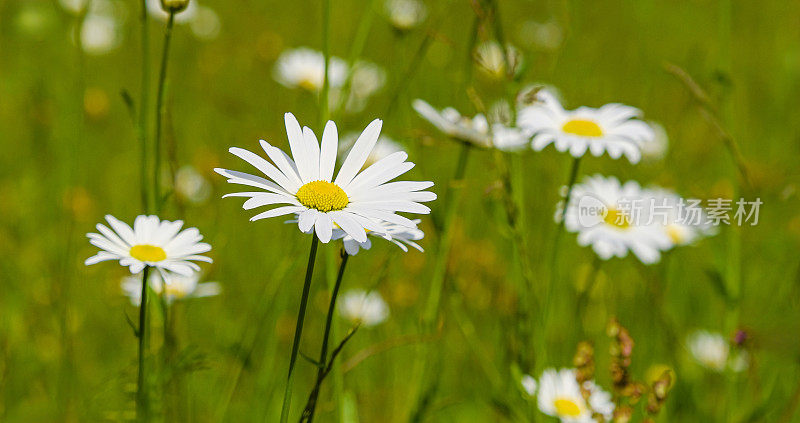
{"x":192,"y":185}
{"x":364,"y":308}
{"x":713,"y":352}
{"x":613,"y":219}
{"x":367,"y":79}
{"x":613,"y":128}
{"x":474,"y":130}
{"x":656,"y":148}
{"x":529,"y":384}
{"x":177,"y":287}
{"x":405,"y":14}
{"x":560,"y":396}
{"x":205,"y":24}
{"x":491,"y":58}
{"x":304,"y":68}
{"x":543,"y":35}
{"x":683,"y":222}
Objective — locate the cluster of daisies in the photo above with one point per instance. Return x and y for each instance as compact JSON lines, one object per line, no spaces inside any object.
{"x":358,"y":203}
{"x":559,"y":394}
{"x":613,"y":218}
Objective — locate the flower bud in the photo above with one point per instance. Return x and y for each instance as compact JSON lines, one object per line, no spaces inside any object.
{"x":174,"y":6}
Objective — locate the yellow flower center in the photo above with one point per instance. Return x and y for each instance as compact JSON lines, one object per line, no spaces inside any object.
{"x":617,"y":218}
{"x":308,"y":83}
{"x":675,"y":233}
{"x":176,"y":291}
{"x":583,"y":128}
{"x":149,"y":253}
{"x":566,"y":407}
{"x":323,"y":196}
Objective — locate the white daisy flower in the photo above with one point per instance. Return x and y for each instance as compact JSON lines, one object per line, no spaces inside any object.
{"x":405,"y":15}
{"x":656,"y":148}
{"x":683,"y":222}
{"x":305,"y":68}
{"x":363,"y":308}
{"x":613,"y":128}
{"x":560,"y":396}
{"x":475,"y":131}
{"x":151,"y":242}
{"x":612,"y":218}
{"x":178,"y":287}
{"x":713,"y":352}
{"x":400,"y":235}
{"x":356,"y":201}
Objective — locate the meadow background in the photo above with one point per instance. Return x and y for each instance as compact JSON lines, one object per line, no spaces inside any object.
{"x":70,"y":155}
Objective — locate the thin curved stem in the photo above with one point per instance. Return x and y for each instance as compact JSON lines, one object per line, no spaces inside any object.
{"x":298,"y":331}
{"x":311,"y":406}
{"x":143,"y":100}
{"x":162,"y":78}
{"x":141,"y":387}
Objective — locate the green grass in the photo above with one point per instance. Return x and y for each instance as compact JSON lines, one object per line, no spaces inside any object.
{"x":68,"y":354}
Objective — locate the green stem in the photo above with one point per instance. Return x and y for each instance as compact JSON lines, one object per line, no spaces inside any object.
{"x":298,"y":331}
{"x":162,"y":78}
{"x":549,"y":296}
{"x":311,"y":406}
{"x":141,"y":386}
{"x":143,"y":100}
{"x":446,"y":238}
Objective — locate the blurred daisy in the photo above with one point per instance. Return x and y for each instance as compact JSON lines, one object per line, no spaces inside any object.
{"x":491,"y":58}
{"x":367,"y":79}
{"x":560,"y":396}
{"x":656,"y":148}
{"x":305,"y":68}
{"x":400,"y":235}
{"x":99,"y":34}
{"x":363,"y":308}
{"x":682,"y":221}
{"x":191,"y":185}
{"x":405,"y":15}
{"x":202,"y":20}
{"x":151,"y":242}
{"x":613,"y":128}
{"x":474,"y":131}
{"x":383,"y":148}
{"x":529,"y":384}
{"x":713,"y":352}
{"x":356,"y":201}
{"x":178,"y":287}
{"x":612,"y":218}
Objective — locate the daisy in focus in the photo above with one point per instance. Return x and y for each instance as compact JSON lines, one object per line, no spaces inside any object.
{"x":713,"y":352}
{"x":363,"y":308}
{"x":613,"y":128}
{"x":178,"y":287}
{"x":476,"y":131}
{"x":560,"y":396}
{"x":601,"y":211}
{"x":151,"y":242}
{"x":400,"y":235}
{"x":305,"y":68}
{"x":356,"y":200}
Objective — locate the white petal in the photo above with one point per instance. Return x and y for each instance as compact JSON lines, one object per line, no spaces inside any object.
{"x":327,"y":159}
{"x":324,"y":228}
{"x":279,"y":211}
{"x":359,"y":153}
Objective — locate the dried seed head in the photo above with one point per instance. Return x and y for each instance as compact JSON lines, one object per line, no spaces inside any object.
{"x":174,"y":6}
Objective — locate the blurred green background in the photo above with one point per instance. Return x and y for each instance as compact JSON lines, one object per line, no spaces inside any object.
{"x":70,"y":155}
